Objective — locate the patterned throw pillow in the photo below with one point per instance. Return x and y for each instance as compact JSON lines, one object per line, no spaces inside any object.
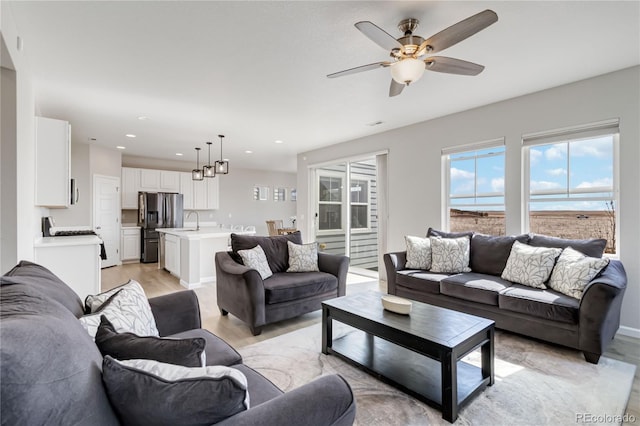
{"x":530,"y":266}
{"x":128,"y":310}
{"x":93,"y":301}
{"x":450,"y":255}
{"x":574,"y":271}
{"x":303,"y":257}
{"x":146,"y":392}
{"x":418,"y":253}
{"x":256,"y":259}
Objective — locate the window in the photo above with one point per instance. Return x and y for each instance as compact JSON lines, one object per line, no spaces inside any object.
{"x":329,"y":202}
{"x":474,"y":182}
{"x":359,"y":204}
{"x":571,"y":189}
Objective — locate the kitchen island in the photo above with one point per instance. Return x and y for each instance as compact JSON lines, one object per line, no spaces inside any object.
{"x":189,"y":254}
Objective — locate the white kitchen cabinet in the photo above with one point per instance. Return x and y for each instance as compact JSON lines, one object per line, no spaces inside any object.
{"x":130,"y":244}
{"x":186,"y":189}
{"x":172,"y":254}
{"x":149,"y":180}
{"x":53,"y":162}
{"x":169,"y":181}
{"x":199,"y":194}
{"x":75,"y":260}
{"x":130,"y":185}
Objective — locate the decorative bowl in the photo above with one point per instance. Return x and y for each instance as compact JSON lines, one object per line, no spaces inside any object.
{"x":396,"y":304}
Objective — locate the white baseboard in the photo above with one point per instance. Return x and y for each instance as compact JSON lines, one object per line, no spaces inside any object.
{"x":629,"y":332}
{"x":190,"y":286}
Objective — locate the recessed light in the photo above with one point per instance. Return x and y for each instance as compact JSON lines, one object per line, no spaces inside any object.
{"x":248,"y":152}
{"x":130,"y":135}
{"x":375,"y":123}
{"x":179,"y":154}
{"x":278,"y":141}
{"x":92,"y":139}
{"x":120,"y":147}
{"x":143,"y":117}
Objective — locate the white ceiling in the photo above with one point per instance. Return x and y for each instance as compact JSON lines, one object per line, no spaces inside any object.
{"x":256,"y":71}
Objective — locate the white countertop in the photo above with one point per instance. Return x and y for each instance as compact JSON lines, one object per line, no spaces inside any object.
{"x":79,"y":240}
{"x":204,"y":232}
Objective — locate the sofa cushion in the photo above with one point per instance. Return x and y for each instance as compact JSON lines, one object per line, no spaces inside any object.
{"x":51,"y":370}
{"x":285,"y":286}
{"x":547,"y":304}
{"x":417,"y":279}
{"x":218,"y":351}
{"x":275,"y":247}
{"x":122,"y":346}
{"x":450,"y":255}
{"x":489,"y":253}
{"x":255,"y":258}
{"x":530,"y":266}
{"x":260,"y":388}
{"x":574,"y":271}
{"x":443,"y":234}
{"x":481,"y":288}
{"x":47,"y":283}
{"x":418,"y":252}
{"x":145,"y":392}
{"x":592,"y":248}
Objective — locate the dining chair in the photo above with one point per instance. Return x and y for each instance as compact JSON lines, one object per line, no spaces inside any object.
{"x":273,"y":226}
{"x":237,"y":228}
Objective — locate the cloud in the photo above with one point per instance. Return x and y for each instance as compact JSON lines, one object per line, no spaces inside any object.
{"x":536,"y":185}
{"x":497,"y":184}
{"x":535,"y":155}
{"x":556,"y":152}
{"x":604,"y":182}
{"x":461,"y":174}
{"x":599,"y":148}
{"x":557,"y":172}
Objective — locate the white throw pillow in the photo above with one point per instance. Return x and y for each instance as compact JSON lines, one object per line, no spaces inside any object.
{"x":530,"y":266}
{"x":128,"y":310}
{"x":418,"y":252}
{"x":574,"y":271}
{"x":255,"y":258}
{"x":93,"y":301}
{"x":450,"y":255}
{"x":303,"y":257}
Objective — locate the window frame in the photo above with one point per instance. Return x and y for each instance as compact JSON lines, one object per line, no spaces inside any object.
{"x":367,"y":179}
{"x":331,"y":174}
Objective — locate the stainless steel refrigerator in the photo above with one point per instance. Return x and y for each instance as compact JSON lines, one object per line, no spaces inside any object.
{"x":157,"y":210}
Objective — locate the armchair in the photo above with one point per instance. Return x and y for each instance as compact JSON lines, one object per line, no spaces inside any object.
{"x":242,"y":292}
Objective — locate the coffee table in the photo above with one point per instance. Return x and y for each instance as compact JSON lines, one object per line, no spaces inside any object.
{"x":419,"y":353}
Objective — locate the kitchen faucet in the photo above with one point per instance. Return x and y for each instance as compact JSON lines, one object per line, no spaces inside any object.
{"x":197,"y":218}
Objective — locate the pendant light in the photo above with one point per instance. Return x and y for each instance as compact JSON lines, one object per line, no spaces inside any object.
{"x":208,"y":170}
{"x":222,"y":166}
{"x":196,"y":174}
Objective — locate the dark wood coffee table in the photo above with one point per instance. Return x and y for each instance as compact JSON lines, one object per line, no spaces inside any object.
{"x":418,"y":353}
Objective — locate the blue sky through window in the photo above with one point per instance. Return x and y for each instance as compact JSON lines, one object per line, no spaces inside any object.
{"x":477,"y":179}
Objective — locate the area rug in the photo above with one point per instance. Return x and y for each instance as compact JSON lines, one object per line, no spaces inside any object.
{"x":536,"y":383}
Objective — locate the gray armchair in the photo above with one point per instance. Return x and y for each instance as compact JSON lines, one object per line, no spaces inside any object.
{"x":242,"y":292}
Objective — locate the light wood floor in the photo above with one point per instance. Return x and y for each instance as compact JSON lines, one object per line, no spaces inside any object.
{"x":158,"y":282}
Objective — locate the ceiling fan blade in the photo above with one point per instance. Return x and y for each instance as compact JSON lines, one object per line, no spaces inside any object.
{"x":452,"y":66}
{"x":395,"y":89}
{"x":359,"y":69}
{"x":378,"y":35}
{"x":458,"y":32}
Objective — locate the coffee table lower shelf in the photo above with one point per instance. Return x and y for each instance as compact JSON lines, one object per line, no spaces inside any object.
{"x":413,"y":373}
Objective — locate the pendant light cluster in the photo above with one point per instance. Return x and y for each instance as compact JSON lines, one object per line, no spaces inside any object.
{"x":220,"y":167}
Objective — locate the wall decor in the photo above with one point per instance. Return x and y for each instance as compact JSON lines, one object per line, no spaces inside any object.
{"x":294,"y":195}
{"x":260,"y":193}
{"x":279,"y":194}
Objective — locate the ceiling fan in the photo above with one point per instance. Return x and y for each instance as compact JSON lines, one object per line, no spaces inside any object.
{"x":410,"y":52}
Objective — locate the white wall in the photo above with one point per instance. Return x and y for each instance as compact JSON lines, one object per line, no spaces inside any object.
{"x":414,"y":160}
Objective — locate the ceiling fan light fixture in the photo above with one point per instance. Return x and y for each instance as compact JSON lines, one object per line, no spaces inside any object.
{"x":407,"y":71}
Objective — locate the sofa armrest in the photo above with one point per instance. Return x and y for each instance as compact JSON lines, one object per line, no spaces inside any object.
{"x":328,"y":400}
{"x":336,"y":265}
{"x":240,"y":290}
{"x":176,"y":312}
{"x":394,"y":262}
{"x":600,"y":308}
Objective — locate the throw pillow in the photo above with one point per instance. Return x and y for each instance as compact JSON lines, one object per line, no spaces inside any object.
{"x":418,"y":252}
{"x":145,"y":392}
{"x":128,"y":310}
{"x":93,"y":301}
{"x":593,"y":247}
{"x":530,"y":266}
{"x":449,"y":255}
{"x":443,"y":234}
{"x":303,"y":257}
{"x":122,"y":346}
{"x":574,"y":271}
{"x":256,"y":259}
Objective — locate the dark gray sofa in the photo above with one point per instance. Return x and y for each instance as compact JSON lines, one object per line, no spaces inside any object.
{"x":588,"y":324}
{"x":242,"y":291}
{"x":50,"y":368}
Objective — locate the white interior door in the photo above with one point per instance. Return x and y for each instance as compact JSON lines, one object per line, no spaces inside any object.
{"x":106,"y":216}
